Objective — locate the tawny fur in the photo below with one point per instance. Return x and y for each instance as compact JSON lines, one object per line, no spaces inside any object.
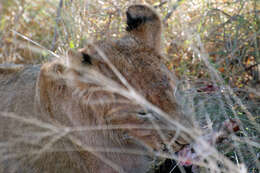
{"x":65,"y":94}
{"x":145,"y":26}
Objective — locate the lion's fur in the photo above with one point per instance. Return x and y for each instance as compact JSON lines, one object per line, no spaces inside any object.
{"x":68,"y":93}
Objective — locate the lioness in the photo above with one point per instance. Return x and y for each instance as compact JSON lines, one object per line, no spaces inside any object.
{"x":104,"y":108}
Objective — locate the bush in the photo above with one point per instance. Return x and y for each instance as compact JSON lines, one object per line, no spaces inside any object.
{"x":213,"y":47}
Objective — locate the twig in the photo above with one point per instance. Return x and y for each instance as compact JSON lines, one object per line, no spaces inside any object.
{"x":251,"y":66}
{"x":161,"y":4}
{"x":58,"y":18}
{"x":35,"y":43}
{"x":174,"y":7}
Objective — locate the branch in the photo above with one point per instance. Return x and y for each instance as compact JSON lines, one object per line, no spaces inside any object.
{"x":58,"y":18}
{"x":174,"y":7}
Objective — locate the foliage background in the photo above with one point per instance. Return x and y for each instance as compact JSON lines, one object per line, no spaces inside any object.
{"x":212,"y":45}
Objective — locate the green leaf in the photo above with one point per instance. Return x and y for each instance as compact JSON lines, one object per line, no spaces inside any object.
{"x":72,"y":45}
{"x":2,"y":25}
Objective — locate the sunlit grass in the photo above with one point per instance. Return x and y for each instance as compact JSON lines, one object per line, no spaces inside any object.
{"x":212,"y":41}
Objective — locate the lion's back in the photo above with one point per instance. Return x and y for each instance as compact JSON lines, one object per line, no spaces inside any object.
{"x":18,"y":113}
{"x":17,"y":87}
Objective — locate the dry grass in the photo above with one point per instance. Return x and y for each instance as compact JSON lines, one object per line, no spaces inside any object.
{"x":212,"y":45}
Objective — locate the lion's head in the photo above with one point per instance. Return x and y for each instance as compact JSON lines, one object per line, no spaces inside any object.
{"x":122,"y":85}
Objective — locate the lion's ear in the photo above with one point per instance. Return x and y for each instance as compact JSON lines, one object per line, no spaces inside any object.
{"x":86,"y":58}
{"x":78,"y":59}
{"x":144,"y":23}
{"x":50,"y":84}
